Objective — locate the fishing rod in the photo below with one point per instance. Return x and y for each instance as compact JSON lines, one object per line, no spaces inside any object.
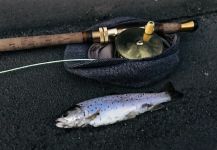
{"x":102,"y":35}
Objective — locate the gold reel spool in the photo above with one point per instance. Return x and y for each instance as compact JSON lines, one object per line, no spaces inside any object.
{"x":139,"y":43}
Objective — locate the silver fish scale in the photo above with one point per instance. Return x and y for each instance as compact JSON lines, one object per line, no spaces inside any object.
{"x":112,"y":102}
{"x":110,"y":109}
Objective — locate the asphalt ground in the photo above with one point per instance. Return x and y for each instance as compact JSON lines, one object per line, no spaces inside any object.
{"x":30,"y":100}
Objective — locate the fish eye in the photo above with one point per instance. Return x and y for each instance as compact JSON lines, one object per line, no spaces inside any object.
{"x":65,"y":114}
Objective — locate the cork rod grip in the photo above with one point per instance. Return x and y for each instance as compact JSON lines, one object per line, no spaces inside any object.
{"x":20,"y":43}
{"x":176,"y":27}
{"x":168,"y":27}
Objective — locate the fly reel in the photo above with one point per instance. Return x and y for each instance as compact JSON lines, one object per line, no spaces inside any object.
{"x":139,"y":43}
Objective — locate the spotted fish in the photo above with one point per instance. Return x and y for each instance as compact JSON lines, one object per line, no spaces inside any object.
{"x":111,"y":109}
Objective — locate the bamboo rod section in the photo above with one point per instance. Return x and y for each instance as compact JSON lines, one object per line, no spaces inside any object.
{"x":20,"y":43}
{"x":103,"y":35}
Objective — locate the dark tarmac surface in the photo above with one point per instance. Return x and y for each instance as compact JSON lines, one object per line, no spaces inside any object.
{"x":30,"y":100}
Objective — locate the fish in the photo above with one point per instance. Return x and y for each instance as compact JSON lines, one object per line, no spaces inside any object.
{"x":114,"y":108}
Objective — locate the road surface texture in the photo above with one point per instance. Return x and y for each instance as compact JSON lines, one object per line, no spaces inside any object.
{"x":30,"y":100}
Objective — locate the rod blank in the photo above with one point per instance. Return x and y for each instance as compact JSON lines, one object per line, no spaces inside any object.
{"x":20,"y":43}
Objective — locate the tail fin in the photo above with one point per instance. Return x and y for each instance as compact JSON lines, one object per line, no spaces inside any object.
{"x":172,"y":92}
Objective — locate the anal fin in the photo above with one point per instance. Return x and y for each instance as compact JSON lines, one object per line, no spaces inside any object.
{"x":131,"y":115}
{"x":157,"y":107}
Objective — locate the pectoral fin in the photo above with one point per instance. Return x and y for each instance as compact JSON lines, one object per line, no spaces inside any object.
{"x":93,"y":116}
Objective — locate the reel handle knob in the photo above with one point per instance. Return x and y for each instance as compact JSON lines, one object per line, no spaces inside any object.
{"x":149,"y":30}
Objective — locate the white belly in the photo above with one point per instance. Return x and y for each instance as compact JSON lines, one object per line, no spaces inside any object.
{"x":113,"y":116}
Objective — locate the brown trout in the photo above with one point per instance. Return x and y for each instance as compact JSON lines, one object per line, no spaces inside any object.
{"x":111,"y":109}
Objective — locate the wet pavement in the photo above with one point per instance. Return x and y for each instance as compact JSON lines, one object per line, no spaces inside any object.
{"x":30,"y":100}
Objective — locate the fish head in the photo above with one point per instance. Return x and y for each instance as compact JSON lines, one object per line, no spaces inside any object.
{"x":72,"y":118}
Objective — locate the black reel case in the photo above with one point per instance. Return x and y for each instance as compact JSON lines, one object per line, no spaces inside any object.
{"x":122,"y":71}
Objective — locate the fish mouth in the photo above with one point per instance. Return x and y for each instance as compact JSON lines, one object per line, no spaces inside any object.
{"x":62,"y":123}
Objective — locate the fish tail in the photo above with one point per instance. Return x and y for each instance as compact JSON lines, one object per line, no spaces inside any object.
{"x":172,"y":91}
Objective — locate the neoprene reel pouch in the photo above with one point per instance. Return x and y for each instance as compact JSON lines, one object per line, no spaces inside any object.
{"x":119,"y":70}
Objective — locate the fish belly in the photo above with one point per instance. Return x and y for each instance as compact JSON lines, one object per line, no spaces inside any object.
{"x":116,"y":115}
{"x":119,"y":110}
